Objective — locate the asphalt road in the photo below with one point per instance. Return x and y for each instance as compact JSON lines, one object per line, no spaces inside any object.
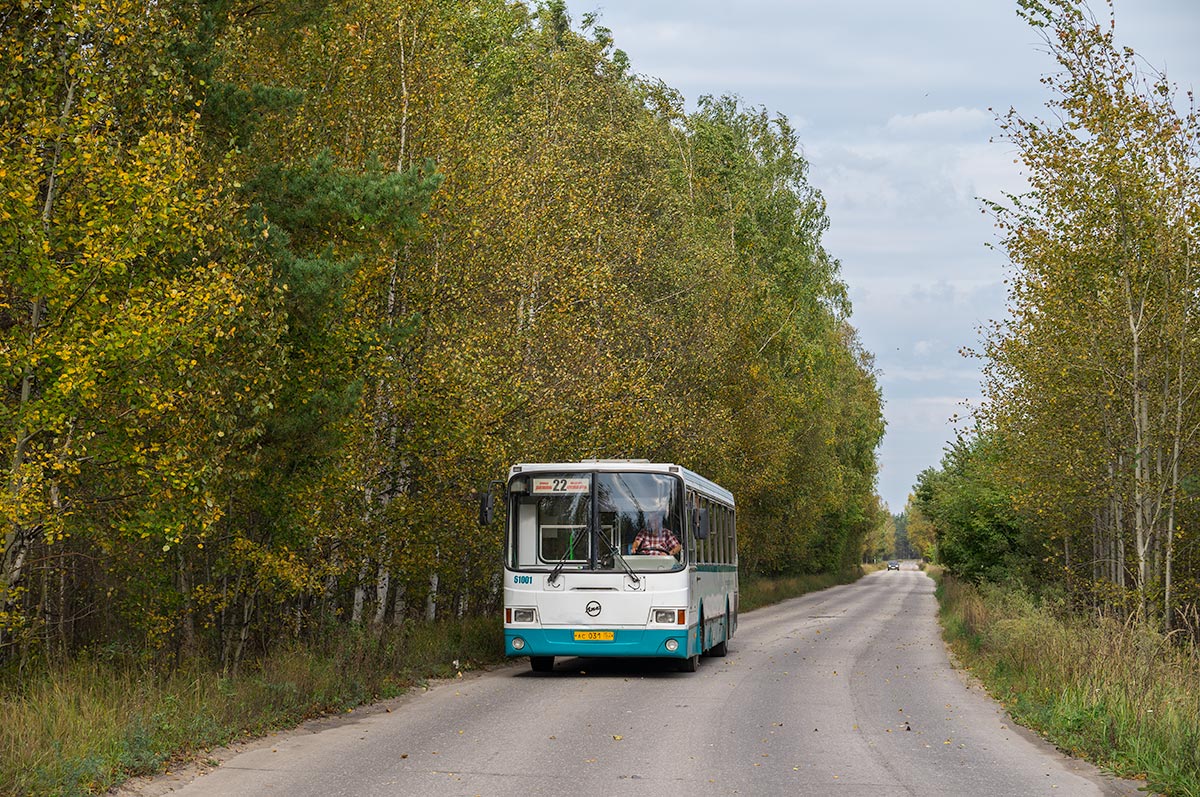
{"x":844,"y":692}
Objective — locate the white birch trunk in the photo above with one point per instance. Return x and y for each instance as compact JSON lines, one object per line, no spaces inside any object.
{"x":360,"y":595}
{"x":382,"y":580}
{"x":18,"y":536}
{"x":431,"y":599}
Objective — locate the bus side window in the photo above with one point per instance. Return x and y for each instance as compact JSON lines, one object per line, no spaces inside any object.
{"x":728,"y":523}
{"x":722,"y":537}
{"x":733,"y":538}
{"x":718,"y":534}
{"x":689,"y":521}
{"x":714,"y":542}
{"x":715,"y":509}
{"x":726,"y":534}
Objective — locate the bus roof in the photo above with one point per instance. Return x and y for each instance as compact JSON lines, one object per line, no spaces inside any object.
{"x":691,"y":478}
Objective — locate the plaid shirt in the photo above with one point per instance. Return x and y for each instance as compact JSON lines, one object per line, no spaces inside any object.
{"x":662,"y":541}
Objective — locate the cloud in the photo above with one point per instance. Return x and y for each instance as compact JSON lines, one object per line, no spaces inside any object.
{"x":986,"y":171}
{"x":892,"y":99}
{"x":955,"y":121}
{"x":940,"y":375}
{"x":918,"y":428}
{"x":933,"y":409}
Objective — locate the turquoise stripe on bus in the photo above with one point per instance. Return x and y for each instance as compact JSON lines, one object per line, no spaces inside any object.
{"x":625,"y":642}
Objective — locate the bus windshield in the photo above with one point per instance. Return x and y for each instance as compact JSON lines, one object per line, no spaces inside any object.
{"x":596,"y":521}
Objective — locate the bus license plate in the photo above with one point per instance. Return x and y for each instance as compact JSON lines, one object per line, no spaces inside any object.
{"x":593,"y":636}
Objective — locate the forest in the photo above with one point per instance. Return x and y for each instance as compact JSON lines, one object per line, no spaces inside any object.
{"x":1080,"y":473}
{"x":284,"y":283}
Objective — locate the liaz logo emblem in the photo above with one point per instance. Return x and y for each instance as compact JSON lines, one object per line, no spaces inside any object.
{"x":593,"y":608}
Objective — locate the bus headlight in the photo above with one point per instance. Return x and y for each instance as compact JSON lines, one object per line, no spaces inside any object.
{"x":664,"y":616}
{"x":524,"y":615}
{"x":672,"y":645}
{"x":518,"y":643}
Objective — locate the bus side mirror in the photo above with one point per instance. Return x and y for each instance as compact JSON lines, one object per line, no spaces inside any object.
{"x":487,"y":508}
{"x":700,"y":524}
{"x":487,"y":503}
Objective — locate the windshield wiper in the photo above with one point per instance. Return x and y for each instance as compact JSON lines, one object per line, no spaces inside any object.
{"x":612,"y":551}
{"x":558,"y":568}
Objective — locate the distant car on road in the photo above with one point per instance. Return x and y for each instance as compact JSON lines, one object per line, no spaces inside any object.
{"x":893,"y":565}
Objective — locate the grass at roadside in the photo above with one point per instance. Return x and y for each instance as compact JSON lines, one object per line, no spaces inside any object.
{"x":81,"y":728}
{"x":85,"y":726}
{"x":756,"y":592}
{"x":1115,"y":693}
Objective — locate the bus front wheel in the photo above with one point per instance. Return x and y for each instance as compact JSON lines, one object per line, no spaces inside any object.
{"x":541,"y":663}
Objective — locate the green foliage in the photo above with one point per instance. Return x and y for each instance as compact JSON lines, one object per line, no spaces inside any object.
{"x":123,"y":287}
{"x":1088,"y":431}
{"x":284,"y":283}
{"x":978,"y":534}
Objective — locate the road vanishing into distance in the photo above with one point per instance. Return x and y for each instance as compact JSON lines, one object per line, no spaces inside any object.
{"x":843,"y":692}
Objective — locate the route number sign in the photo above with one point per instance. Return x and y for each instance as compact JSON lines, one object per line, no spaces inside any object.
{"x":563,"y":485}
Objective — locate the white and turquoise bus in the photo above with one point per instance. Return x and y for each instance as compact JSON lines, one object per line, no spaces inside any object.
{"x":581,"y":578}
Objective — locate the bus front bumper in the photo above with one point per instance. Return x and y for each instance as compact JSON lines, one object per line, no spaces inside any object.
{"x":624,"y":642}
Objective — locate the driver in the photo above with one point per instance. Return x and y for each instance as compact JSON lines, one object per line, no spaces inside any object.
{"x":656,"y":540}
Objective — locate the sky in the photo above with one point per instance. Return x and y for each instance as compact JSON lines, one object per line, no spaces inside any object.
{"x":893,"y":103}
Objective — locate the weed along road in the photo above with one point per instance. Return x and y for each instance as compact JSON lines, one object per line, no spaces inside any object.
{"x":843,"y":692}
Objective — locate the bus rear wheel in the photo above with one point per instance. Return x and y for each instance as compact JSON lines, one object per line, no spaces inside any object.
{"x":541,"y":663}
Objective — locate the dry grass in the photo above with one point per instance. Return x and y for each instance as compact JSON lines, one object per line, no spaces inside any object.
{"x":83,"y":727}
{"x":1116,"y":692}
{"x":756,"y":592}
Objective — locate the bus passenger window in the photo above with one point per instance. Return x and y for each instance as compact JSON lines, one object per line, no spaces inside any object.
{"x":718,"y":542}
{"x":719,"y":511}
{"x":725,"y":557}
{"x":732,"y":540}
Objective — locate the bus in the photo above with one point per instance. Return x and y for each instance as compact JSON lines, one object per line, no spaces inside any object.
{"x":617,"y":558}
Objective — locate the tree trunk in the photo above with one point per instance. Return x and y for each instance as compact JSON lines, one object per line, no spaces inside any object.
{"x":329,"y":594}
{"x":360,"y":595}
{"x":1142,"y":533}
{"x":399,"y":606}
{"x":187,"y":623}
{"x":244,"y":634}
{"x":19,"y":535}
{"x":382,"y":580}
{"x":431,"y":598}
{"x":229,"y":624}
{"x":1176,"y":451}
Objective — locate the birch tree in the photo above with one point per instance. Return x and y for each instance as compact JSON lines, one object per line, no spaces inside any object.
{"x":121,"y":283}
{"x":1097,"y":367}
